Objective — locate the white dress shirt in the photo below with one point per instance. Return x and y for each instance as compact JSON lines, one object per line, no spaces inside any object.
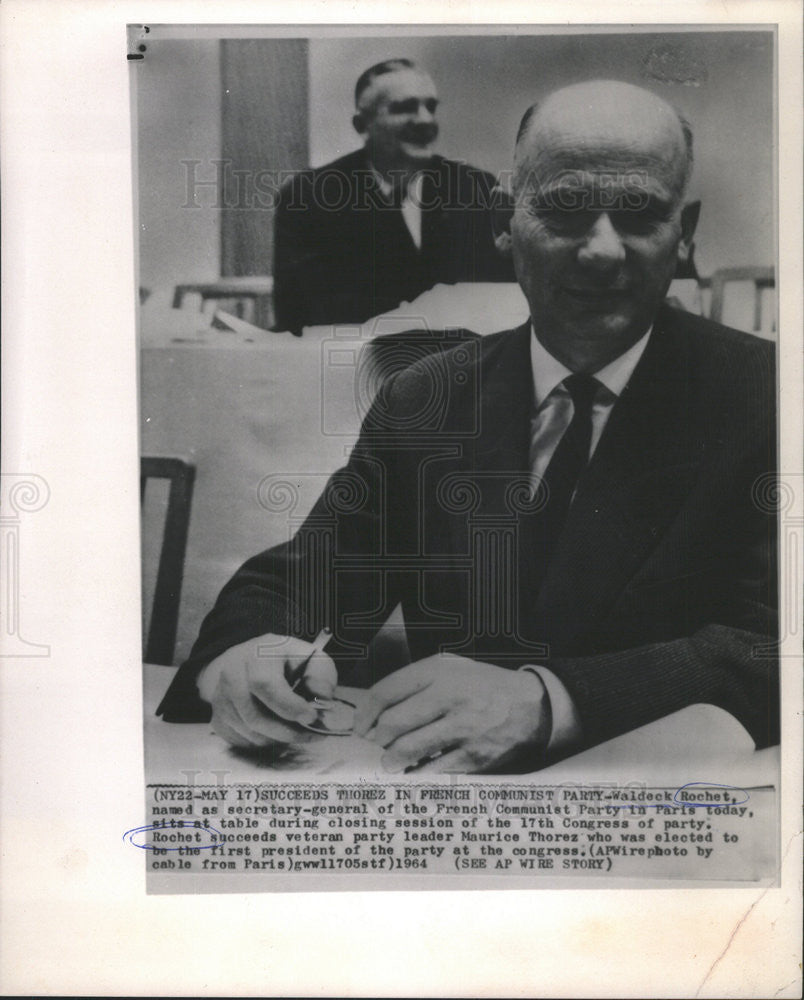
{"x":411,"y":204}
{"x":552,"y":416}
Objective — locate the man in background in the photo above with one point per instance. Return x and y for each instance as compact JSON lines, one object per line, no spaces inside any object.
{"x":383,"y":224}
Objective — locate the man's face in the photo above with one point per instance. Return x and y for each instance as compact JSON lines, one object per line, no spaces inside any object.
{"x":598,"y":228}
{"x":398,"y":119}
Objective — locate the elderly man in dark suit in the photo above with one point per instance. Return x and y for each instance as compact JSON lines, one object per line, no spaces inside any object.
{"x":383,"y":224}
{"x":567,"y":516}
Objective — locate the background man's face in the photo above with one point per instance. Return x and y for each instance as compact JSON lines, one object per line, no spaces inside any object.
{"x":399,"y":113}
{"x":597,"y":231}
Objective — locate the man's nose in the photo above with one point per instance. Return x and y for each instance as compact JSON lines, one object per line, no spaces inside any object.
{"x":424,"y":114}
{"x":603,"y":246}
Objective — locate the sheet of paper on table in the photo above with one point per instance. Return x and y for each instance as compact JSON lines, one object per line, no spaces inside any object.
{"x":174,"y":750}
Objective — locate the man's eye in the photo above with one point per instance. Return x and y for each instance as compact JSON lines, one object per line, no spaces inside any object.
{"x":411,"y":106}
{"x":639,"y":221}
{"x":577,"y":221}
{"x":564,"y":220}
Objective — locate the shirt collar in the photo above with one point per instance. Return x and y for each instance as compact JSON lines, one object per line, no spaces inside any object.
{"x":549,"y":373}
{"x":412,"y":189}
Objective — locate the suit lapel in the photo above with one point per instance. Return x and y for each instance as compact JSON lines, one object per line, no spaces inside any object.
{"x":492,"y":469}
{"x":641,"y":471}
{"x":435,"y":249}
{"x":500,"y":452}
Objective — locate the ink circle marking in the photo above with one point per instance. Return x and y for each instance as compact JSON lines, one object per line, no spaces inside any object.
{"x":190,"y":826}
{"x":709,"y":784}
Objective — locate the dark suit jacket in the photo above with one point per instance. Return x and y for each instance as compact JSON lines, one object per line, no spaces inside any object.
{"x":661,"y":590}
{"x":343,"y":255}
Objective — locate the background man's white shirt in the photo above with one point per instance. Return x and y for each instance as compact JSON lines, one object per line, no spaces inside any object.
{"x":411,"y":204}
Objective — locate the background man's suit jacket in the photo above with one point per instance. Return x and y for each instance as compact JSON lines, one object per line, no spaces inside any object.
{"x":343,"y":255}
{"x":660,"y":594}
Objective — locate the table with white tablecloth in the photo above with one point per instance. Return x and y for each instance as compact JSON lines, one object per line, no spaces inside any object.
{"x":700,"y":742}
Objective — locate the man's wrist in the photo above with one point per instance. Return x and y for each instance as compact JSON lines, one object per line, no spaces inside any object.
{"x":545,"y":711}
{"x":207,"y":681}
{"x":566,"y":733}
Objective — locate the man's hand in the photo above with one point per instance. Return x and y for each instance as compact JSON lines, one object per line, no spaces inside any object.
{"x":250,"y":689}
{"x":475,"y":715}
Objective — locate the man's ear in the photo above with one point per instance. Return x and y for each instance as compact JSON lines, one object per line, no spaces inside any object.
{"x":502,"y":211}
{"x":689,"y":222}
{"x":359,"y":123}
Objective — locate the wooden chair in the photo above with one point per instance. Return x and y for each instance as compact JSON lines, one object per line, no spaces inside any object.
{"x":762,"y":278}
{"x":161,"y":641}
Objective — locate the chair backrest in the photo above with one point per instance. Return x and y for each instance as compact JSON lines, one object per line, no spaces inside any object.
{"x":161,"y":640}
{"x":761,"y":277}
{"x":248,"y":298}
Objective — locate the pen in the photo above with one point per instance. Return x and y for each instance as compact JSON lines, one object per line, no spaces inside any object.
{"x":330,"y":720}
{"x":426,"y":760}
{"x":319,"y":643}
{"x":322,"y":639}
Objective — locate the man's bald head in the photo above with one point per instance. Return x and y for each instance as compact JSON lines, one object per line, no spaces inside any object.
{"x":605,"y":111}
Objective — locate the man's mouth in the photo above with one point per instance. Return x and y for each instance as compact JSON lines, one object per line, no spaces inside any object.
{"x":421,"y":138}
{"x":597,"y":295}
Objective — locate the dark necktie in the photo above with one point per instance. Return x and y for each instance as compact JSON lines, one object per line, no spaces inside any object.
{"x":572,"y":453}
{"x":554,"y":494}
{"x":542,"y":530}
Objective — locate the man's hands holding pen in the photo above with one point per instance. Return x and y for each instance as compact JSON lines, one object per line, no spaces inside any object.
{"x":451,"y":714}
{"x":251,"y":689}
{"x":441,"y":714}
